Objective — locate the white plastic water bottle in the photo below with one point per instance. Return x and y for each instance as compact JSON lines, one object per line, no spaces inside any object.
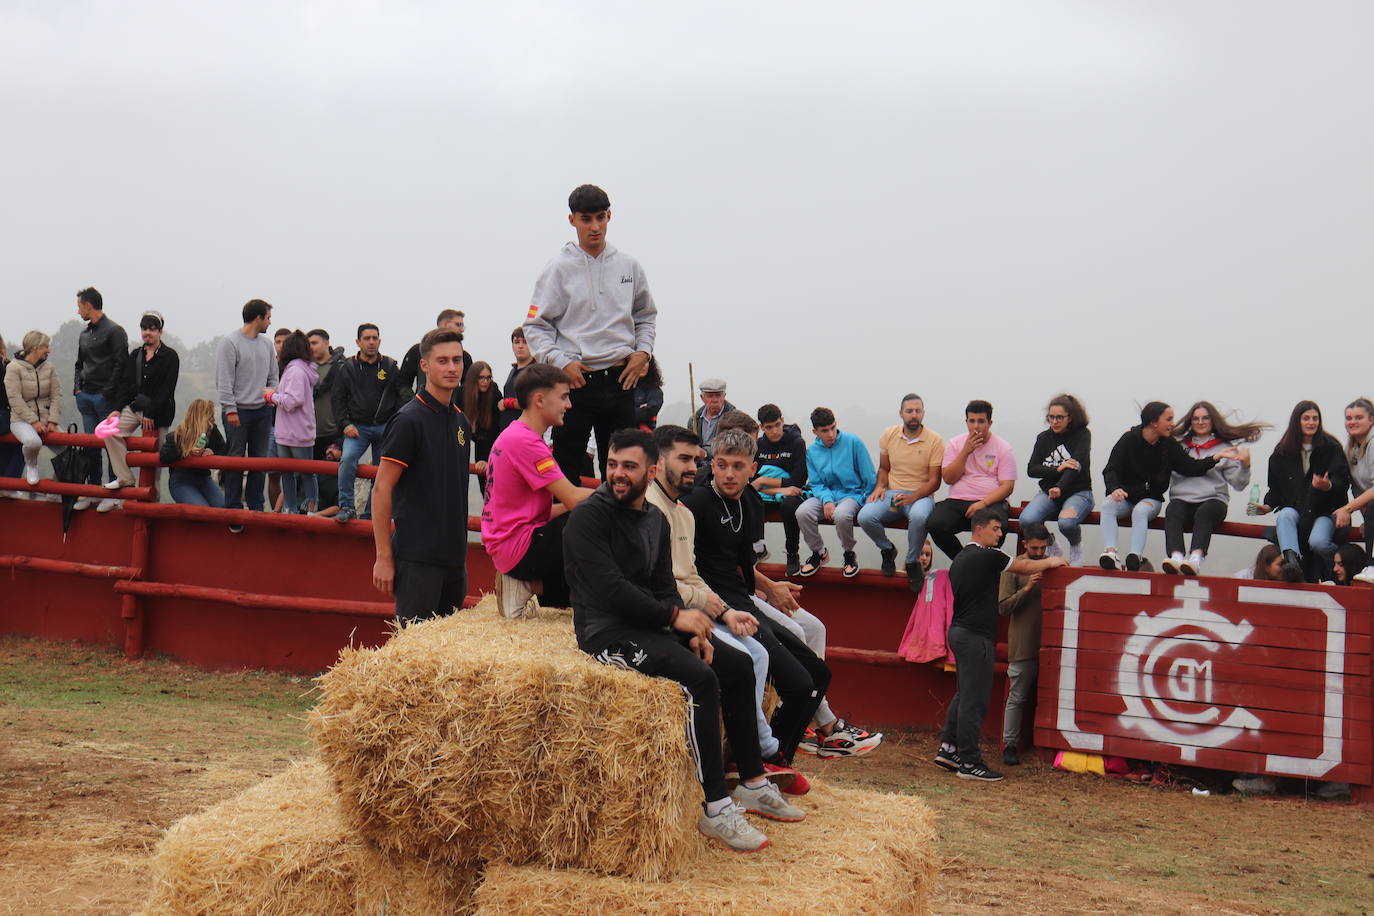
{"x":1253,"y":507}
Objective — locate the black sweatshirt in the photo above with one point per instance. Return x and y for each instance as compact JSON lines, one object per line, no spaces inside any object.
{"x":788,"y":453}
{"x":724,"y":543}
{"x":1053,"y":449}
{"x":149,"y":386}
{"x":366,"y":394}
{"x":1142,"y":469}
{"x":1289,"y":487}
{"x":620,"y":569}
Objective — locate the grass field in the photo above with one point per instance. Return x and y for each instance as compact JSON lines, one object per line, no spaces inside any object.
{"x":99,"y":756}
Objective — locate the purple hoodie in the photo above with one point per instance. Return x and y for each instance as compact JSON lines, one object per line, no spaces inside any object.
{"x":295,"y":403}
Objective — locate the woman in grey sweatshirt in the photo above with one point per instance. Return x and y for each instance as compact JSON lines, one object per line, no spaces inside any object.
{"x":1202,"y":501}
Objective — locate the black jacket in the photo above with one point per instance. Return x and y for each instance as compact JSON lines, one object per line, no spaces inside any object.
{"x":170,"y":454}
{"x":149,"y":386}
{"x":1053,"y":449}
{"x":620,"y":569}
{"x":509,"y":412}
{"x":1289,"y":487}
{"x":411,"y":382}
{"x":1142,"y":469}
{"x":648,"y":402}
{"x":326,"y":427}
{"x":99,"y":352}
{"x":788,"y":453}
{"x":366,"y":394}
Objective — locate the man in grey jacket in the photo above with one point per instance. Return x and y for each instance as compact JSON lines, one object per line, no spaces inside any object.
{"x":246,"y":363}
{"x":592,"y":316}
{"x":100,"y":351}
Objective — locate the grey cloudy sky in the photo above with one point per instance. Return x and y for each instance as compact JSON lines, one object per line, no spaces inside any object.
{"x":834,"y":203}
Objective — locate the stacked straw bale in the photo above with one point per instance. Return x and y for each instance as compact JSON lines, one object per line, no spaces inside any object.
{"x":284,"y":847}
{"x":475,"y":738}
{"x":873,"y":852}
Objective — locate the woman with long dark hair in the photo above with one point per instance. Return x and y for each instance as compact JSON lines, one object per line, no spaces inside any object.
{"x":1268,"y":567}
{"x":1359,"y":419}
{"x":1347,"y":562}
{"x":1061,"y":461}
{"x":481,"y":403}
{"x":1308,"y":482}
{"x":294,"y":398}
{"x":1201,"y":502}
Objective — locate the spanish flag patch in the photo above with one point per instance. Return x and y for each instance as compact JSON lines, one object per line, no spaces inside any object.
{"x":534,"y":310}
{"x":544,"y":464}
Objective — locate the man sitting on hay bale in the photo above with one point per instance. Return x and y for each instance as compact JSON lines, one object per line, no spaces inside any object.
{"x":626,"y":612}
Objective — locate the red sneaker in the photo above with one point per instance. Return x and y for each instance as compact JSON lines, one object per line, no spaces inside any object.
{"x":782,"y":777}
{"x":800,"y":785}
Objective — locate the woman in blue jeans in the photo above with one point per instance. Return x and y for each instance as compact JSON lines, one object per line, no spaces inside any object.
{"x":1061,"y":461}
{"x":196,"y":437}
{"x":1309,"y":479}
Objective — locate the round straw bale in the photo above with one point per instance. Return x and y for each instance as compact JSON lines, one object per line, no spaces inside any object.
{"x":477,"y":738}
{"x":874,"y":852}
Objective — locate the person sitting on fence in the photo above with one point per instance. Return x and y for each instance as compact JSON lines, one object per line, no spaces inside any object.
{"x":909,"y":460}
{"x":11,"y":455}
{"x":35,"y":399}
{"x":1061,"y":460}
{"x":145,"y":388}
{"x":1269,"y":566}
{"x":975,"y":577}
{"x":196,"y":437}
{"x":366,"y":396}
{"x":980,"y":468}
{"x":841,"y":475}
{"x":522,"y":530}
{"x":781,"y":447}
{"x":627,"y":612}
{"x":1201,"y":502}
{"x":1019,"y":598}
{"x":1359,"y":419}
{"x":1309,"y":478}
{"x":1136,"y":476}
{"x":294,"y":400}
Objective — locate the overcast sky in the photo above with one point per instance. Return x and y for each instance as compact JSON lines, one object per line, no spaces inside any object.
{"x":833,"y":203}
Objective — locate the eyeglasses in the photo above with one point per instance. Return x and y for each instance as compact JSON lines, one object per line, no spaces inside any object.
{"x":1051,"y":417}
{"x":484,"y":378}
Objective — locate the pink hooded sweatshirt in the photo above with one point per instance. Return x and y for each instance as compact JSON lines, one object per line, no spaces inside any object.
{"x":295,"y":403}
{"x":924,"y":639}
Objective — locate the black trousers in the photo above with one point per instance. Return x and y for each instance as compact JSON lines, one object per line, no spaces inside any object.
{"x":722,"y":690}
{"x":787,"y":508}
{"x":1203,"y":517}
{"x":425,"y":590}
{"x":601,"y":406}
{"x":544,"y":561}
{"x":801,"y":679}
{"x":974,"y":655}
{"x":947,"y":519}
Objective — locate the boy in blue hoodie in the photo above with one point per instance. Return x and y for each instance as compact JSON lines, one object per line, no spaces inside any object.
{"x":841,"y":476}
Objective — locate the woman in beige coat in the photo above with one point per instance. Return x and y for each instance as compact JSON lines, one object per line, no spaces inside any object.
{"x":35,"y":398}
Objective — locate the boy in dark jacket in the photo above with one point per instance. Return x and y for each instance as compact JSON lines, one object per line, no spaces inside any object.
{"x":145,"y":388}
{"x":366,"y":395}
{"x":781,"y":446}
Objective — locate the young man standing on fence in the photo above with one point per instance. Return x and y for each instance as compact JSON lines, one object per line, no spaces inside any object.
{"x":627,"y":612}
{"x":245,"y":364}
{"x":366,"y":395}
{"x":422,"y":483}
{"x":100,"y":351}
{"x":974,"y":576}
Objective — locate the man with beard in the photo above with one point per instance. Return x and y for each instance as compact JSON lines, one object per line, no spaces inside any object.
{"x":679,"y":450}
{"x":725,"y":557}
{"x":627,"y":612}
{"x":909,"y":459}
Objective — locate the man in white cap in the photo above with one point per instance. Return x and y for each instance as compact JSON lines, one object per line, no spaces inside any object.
{"x":713,"y":407}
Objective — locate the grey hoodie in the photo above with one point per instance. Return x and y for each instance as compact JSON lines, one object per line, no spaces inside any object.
{"x":1211,"y":485}
{"x":595,"y":310}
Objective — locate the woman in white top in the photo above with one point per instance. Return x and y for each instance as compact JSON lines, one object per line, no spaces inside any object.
{"x":1359,"y":418}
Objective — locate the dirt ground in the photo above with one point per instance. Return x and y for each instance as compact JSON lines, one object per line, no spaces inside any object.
{"x":99,"y":756}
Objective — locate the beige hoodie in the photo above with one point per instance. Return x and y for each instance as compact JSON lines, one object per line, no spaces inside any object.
{"x":34,"y":393}
{"x":683,"y":528}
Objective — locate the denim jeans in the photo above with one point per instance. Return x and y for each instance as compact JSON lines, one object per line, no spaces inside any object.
{"x":1044,"y":509}
{"x":196,"y":491}
{"x":1322,"y":537}
{"x":248,"y":439}
{"x":368,"y":437}
{"x":93,"y":408}
{"x":874,"y":515}
{"x":1141,"y":512}
{"x":290,"y":504}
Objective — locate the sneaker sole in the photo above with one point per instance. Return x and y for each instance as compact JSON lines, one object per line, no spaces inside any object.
{"x":1108,"y":564}
{"x":981,"y":778}
{"x":1188,"y":569}
{"x":947,"y":765}
{"x":851,"y":571}
{"x":808,"y":751}
{"x":1171,"y":567}
{"x":726,"y":845}
{"x":775,"y":817}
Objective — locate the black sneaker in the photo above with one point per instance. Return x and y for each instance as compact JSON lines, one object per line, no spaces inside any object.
{"x":890,"y":561}
{"x":814,"y":562}
{"x":1010,"y":757}
{"x":915,"y":577}
{"x":760,"y":553}
{"x":948,"y":760}
{"x":979,"y":772}
{"x":793,"y":565}
{"x":1292,"y":566}
{"x":851,"y":564}
{"x":1133,"y":562}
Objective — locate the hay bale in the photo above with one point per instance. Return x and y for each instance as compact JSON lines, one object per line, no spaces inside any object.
{"x":475,"y":738}
{"x":874,"y":853}
{"x":283,"y":846}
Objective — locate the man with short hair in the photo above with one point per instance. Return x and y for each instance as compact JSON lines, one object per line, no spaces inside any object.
{"x":627,"y":612}
{"x":422,"y":485}
{"x":1019,"y":598}
{"x":592,"y":316}
{"x":410,"y":378}
{"x":145,"y":388}
{"x":245,"y":364}
{"x":713,"y":407}
{"x":781,"y":479}
{"x":974,"y":577}
{"x":980,"y":468}
{"x":328,"y":436}
{"x":522,"y":529}
{"x":841,"y":477}
{"x":520,"y":349}
{"x":100,"y":351}
{"x":366,"y":396}
{"x":909,"y":459}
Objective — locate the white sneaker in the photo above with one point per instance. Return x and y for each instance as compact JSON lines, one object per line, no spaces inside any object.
{"x":113,"y":485}
{"x":1076,"y":554}
{"x":1193,"y":565}
{"x":1173,"y":563}
{"x":107,"y":504}
{"x":1256,"y":785}
{"x":83,"y":502}
{"x":766,"y":801}
{"x":31,"y":474}
{"x":1109,"y":560}
{"x":733,"y":829}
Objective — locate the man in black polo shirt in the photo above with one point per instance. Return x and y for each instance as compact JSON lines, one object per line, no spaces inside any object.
{"x":424,"y":475}
{"x":975,"y":577}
